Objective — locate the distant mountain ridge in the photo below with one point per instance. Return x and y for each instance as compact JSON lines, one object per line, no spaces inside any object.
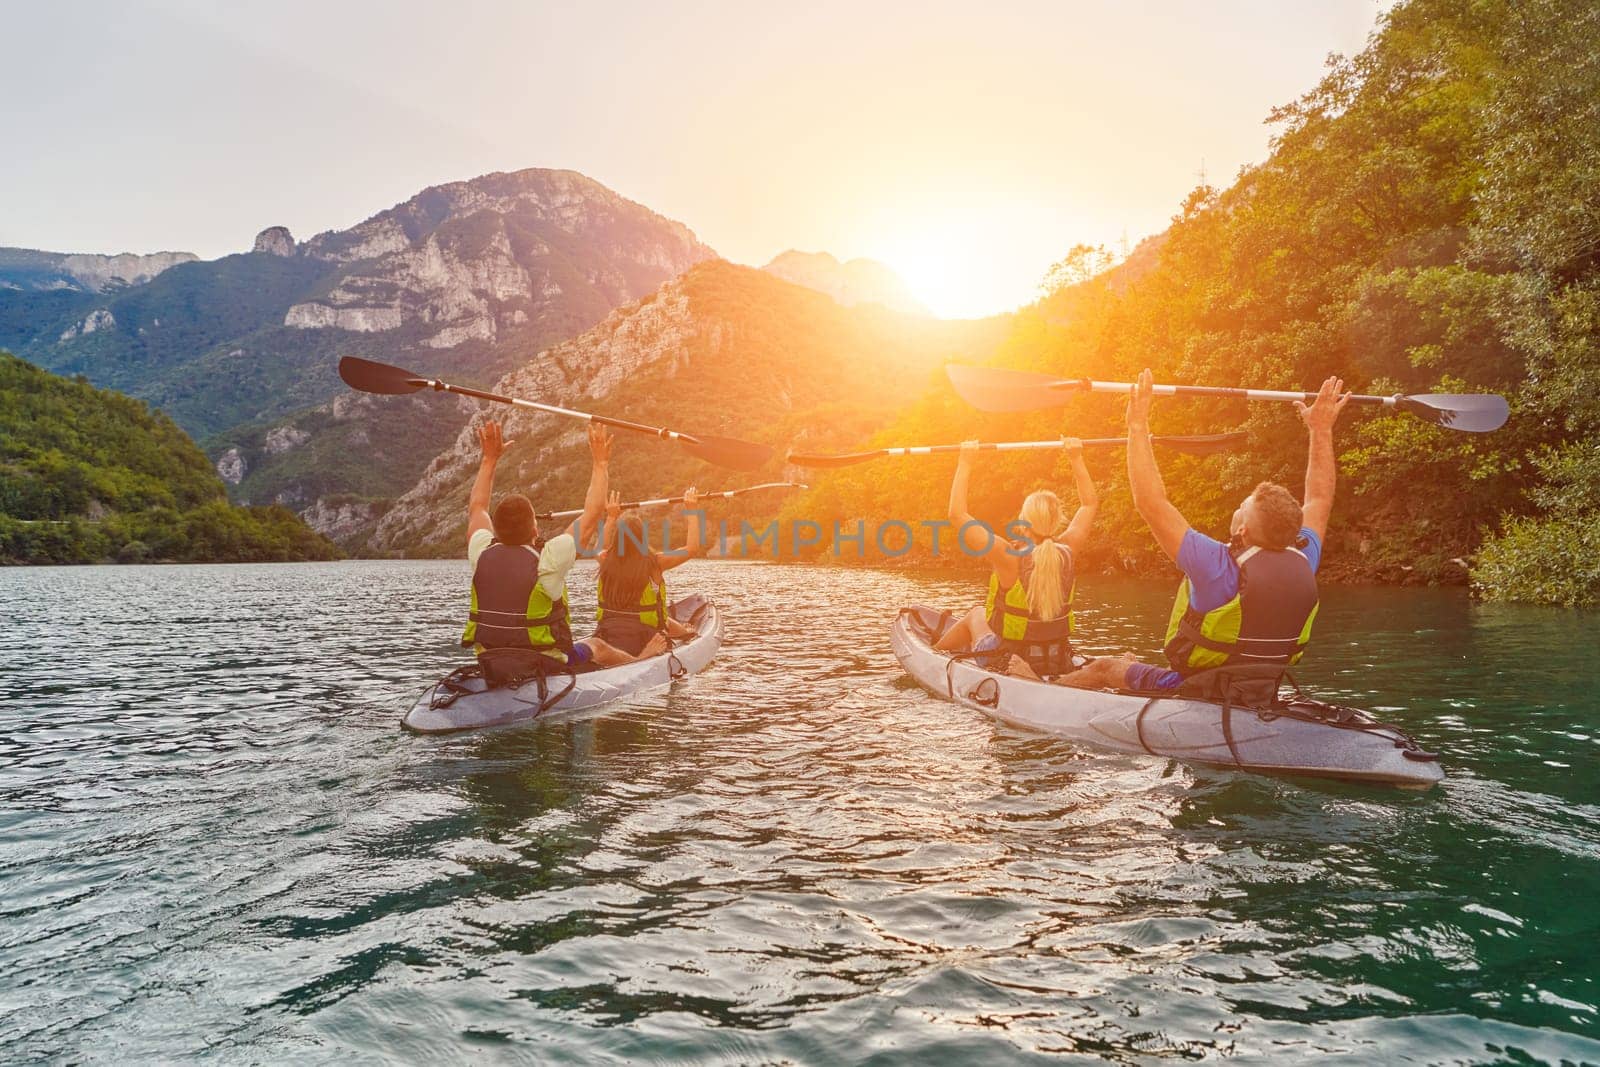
{"x":32,"y":269}
{"x":857,"y":281}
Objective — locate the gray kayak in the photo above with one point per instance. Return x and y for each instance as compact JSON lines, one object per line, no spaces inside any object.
{"x":460,"y":702}
{"x":1300,"y":736}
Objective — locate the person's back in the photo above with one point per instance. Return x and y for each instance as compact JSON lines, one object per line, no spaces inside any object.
{"x":1263,"y":615}
{"x":1033,"y":618}
{"x":631,"y":592}
{"x":519,"y":623}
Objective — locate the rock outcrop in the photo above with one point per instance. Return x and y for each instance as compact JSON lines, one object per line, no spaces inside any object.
{"x":858,"y":281}
{"x":98,"y":319}
{"x":231,"y":466}
{"x":275,"y":241}
{"x":314,"y":316}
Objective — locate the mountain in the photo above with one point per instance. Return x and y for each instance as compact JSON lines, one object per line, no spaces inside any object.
{"x":89,"y":475}
{"x":29,"y":269}
{"x":858,"y":281}
{"x":723,"y":349}
{"x":465,"y":279}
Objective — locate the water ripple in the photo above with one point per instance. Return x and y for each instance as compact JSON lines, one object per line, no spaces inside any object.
{"x":215,"y":840}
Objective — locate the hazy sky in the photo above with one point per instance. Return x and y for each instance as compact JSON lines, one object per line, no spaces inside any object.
{"x":967,"y":145}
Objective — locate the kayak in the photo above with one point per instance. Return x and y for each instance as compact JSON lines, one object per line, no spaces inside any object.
{"x":464,"y":701}
{"x":1297,"y":735}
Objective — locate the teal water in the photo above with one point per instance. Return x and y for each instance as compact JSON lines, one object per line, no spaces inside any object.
{"x":215,"y":841}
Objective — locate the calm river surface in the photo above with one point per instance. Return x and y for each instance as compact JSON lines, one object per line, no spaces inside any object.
{"x":215,"y":840}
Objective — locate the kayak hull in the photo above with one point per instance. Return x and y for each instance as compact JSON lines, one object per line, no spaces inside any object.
{"x":481,"y":707}
{"x":1177,"y":727}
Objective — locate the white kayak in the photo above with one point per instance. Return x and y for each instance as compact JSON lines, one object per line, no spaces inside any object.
{"x":464,"y":701}
{"x":1298,"y":736}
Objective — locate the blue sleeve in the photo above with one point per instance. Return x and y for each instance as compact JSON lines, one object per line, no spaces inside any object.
{"x":1313,"y":548}
{"x":1209,"y":566}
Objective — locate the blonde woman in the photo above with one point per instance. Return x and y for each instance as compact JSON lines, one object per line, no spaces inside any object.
{"x":1028,"y":611}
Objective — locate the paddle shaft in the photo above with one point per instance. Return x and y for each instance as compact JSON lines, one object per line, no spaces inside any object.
{"x":726,"y":494}
{"x":1085,"y":385}
{"x":1196,"y":445}
{"x":551,"y":409}
{"x":1004,"y":446}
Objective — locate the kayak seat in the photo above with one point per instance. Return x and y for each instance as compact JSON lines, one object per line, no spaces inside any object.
{"x":1242,"y":685}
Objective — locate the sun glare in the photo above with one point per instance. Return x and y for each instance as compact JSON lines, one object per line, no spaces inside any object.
{"x":954,"y":274}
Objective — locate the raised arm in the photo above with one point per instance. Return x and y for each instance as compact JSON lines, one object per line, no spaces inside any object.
{"x":594,"y":501}
{"x":1088,"y":499}
{"x":1321,"y":466}
{"x":694,"y":545}
{"x":491,"y":445}
{"x":975,"y":539}
{"x":1144,"y":477}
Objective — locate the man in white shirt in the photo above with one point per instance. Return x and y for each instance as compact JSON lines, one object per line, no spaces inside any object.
{"x":519,"y":586}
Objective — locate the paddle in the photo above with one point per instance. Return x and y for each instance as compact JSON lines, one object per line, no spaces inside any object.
{"x":997,"y":389}
{"x":381,"y":378}
{"x":1195,"y":445}
{"x":726,"y":494}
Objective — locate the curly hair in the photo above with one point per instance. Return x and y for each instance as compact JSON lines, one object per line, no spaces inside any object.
{"x":1277,"y":514}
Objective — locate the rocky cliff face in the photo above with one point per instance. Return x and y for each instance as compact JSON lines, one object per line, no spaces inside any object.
{"x":472,"y":261}
{"x":858,"y":281}
{"x":29,"y":269}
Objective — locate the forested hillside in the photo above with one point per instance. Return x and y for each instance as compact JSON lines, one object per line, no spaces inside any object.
{"x":1428,"y":220}
{"x":89,"y":475}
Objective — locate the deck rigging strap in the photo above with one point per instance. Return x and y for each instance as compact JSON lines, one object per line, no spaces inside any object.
{"x":1299,"y":706}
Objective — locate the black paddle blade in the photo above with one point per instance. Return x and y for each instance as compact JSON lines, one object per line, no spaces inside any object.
{"x":819,"y":460}
{"x":370,"y":377}
{"x":1472,"y":412}
{"x":726,"y":452}
{"x":1204,"y":444}
{"x":997,"y":389}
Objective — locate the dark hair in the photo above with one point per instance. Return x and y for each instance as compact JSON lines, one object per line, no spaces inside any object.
{"x":513,"y":521}
{"x":629,"y":566}
{"x":1278,"y":516}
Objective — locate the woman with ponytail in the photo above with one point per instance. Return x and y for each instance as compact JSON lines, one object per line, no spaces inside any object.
{"x":1029,"y":608}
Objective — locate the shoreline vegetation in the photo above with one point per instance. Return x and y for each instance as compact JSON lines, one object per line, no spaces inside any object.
{"x":91,"y":476}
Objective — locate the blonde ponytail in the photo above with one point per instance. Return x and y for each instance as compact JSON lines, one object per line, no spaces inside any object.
{"x":1042,"y":512}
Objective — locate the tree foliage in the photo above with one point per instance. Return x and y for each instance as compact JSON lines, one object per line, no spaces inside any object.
{"x":89,"y":475}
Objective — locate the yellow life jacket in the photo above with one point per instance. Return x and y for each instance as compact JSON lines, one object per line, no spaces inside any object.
{"x":1268,"y":620}
{"x":1011,"y":617}
{"x":511,"y":610}
{"x":630,"y":626}
{"x":1045,"y":643}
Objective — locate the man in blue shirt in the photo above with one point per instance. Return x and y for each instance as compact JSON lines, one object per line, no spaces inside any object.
{"x":1276,"y":544}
